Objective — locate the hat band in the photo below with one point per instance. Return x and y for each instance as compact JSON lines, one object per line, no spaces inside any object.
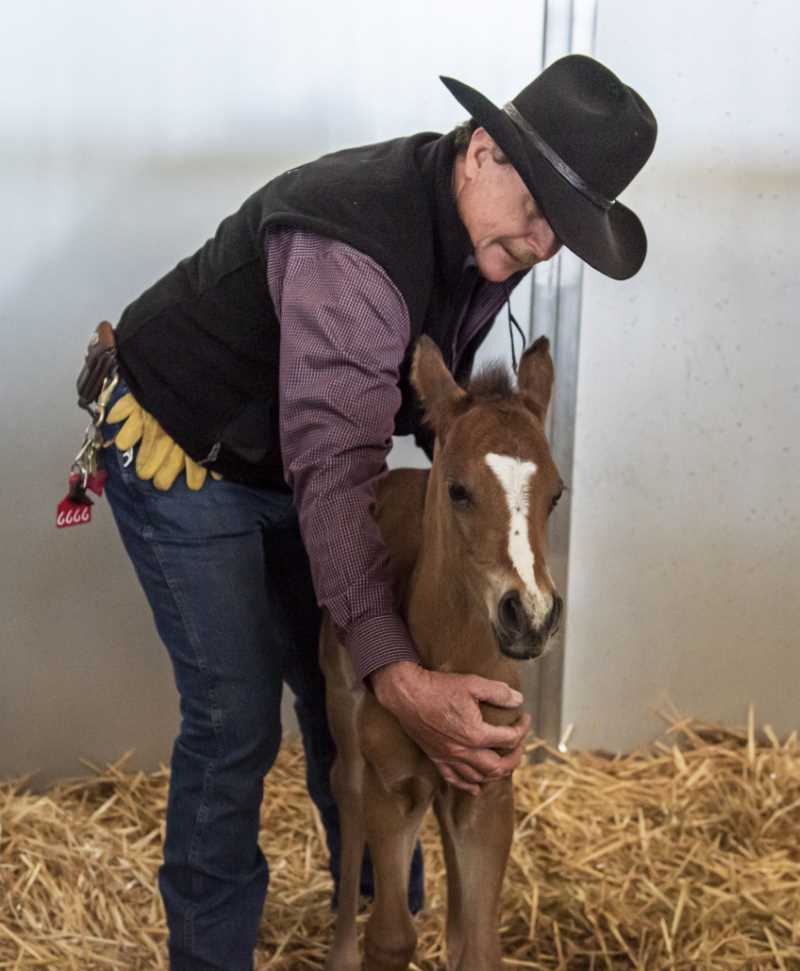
{"x":556,"y":161}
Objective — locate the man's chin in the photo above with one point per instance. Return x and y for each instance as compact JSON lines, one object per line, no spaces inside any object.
{"x":497,"y":264}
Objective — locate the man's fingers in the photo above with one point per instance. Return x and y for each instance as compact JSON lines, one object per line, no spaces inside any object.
{"x":483,"y":762}
{"x":480,"y":767}
{"x":463,"y":769}
{"x":455,"y":780}
{"x":495,"y":692}
{"x":490,"y":764}
{"x":509,"y":762}
{"x":505,"y":736}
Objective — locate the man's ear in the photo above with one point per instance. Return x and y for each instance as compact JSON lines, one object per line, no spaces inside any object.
{"x":480,"y":144}
{"x":435,"y":386}
{"x":535,"y":376}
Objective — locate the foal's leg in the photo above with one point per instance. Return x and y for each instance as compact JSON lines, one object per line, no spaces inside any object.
{"x":392,"y":820}
{"x":342,"y":705}
{"x":346,"y":783}
{"x":476,"y":833}
{"x":399,"y":783}
{"x":455,"y":904}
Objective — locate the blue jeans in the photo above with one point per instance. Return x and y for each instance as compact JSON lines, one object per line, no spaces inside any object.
{"x":228,"y":581}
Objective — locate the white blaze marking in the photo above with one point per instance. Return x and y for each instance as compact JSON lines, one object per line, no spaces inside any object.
{"x":514,"y":476}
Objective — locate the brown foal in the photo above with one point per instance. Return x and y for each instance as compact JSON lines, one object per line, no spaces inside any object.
{"x":467,"y":542}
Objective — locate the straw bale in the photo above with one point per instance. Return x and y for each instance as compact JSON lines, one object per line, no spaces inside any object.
{"x":681,"y":857}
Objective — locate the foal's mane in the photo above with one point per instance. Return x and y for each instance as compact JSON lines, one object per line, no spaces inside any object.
{"x":492,"y":383}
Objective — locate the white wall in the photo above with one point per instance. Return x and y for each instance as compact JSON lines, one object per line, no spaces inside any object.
{"x":685,"y":537}
{"x":130,"y":129}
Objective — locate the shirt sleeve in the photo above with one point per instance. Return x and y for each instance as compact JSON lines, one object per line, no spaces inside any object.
{"x":344,"y":333}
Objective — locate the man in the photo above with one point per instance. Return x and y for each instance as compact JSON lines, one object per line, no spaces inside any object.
{"x":277,"y":359}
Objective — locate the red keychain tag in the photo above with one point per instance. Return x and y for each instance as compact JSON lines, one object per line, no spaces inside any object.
{"x":75,"y":508}
{"x":96,"y":482}
{"x":71,"y":513}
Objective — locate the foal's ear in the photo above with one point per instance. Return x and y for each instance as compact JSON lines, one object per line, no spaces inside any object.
{"x":434,"y":384}
{"x":535,"y":376}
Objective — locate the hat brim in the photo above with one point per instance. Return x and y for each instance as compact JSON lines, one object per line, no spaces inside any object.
{"x":613,"y":240}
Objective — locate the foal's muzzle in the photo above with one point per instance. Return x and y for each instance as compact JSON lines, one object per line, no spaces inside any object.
{"x":517,"y":636}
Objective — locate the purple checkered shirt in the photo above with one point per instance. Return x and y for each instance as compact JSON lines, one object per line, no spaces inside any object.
{"x":344,"y":333}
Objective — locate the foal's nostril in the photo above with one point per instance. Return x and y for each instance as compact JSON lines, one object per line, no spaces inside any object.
{"x":512,"y":615}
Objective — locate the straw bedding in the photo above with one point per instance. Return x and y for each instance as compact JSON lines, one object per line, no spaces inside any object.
{"x":684,"y":856}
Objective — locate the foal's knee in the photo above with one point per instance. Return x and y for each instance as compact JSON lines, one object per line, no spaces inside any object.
{"x":388,"y":948}
{"x":346,"y":783}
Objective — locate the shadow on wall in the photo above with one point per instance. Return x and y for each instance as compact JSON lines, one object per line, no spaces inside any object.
{"x":83,"y":671}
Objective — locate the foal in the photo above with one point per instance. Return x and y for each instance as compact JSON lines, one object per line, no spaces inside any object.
{"x":467,"y":542}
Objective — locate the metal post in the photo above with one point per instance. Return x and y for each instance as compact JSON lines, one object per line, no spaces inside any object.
{"x":569,"y":27}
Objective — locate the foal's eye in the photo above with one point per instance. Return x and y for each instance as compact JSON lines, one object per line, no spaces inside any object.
{"x":554,"y":501}
{"x":458,"y":494}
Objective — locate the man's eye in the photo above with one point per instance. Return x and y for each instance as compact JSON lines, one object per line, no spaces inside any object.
{"x":458,"y":494}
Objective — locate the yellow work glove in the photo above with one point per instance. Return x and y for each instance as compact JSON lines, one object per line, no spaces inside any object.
{"x":159,"y":458}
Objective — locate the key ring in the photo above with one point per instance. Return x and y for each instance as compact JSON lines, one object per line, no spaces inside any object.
{"x":106,"y":391}
{"x":92,"y":437}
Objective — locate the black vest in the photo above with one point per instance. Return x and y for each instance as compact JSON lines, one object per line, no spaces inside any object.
{"x":199,"y":349}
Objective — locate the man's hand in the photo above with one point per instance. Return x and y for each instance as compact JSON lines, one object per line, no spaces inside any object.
{"x":441,"y":713}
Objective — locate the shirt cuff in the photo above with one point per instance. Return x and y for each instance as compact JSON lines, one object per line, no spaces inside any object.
{"x":377,"y":642}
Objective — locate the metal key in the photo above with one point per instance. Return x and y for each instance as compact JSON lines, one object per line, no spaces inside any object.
{"x":85,"y":474}
{"x":85,"y":462}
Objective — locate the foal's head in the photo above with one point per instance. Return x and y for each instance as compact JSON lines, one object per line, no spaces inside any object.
{"x":492,"y":487}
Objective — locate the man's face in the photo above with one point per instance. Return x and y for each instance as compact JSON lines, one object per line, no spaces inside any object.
{"x":508,"y":231}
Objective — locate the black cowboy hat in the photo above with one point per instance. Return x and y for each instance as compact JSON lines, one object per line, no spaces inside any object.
{"x":577,"y":136}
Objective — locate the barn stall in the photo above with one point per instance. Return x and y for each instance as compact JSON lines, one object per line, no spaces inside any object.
{"x":675,"y":421}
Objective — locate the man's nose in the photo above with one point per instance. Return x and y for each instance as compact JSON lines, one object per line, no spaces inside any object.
{"x":543,"y":241}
